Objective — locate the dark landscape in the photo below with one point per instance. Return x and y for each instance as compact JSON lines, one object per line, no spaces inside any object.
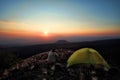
{"x":59,"y":39}
{"x":34,"y":55}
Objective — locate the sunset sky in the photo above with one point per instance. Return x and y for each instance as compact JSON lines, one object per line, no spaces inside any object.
{"x":43,"y":21}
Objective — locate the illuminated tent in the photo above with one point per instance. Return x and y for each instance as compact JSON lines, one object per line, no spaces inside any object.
{"x":86,"y":56}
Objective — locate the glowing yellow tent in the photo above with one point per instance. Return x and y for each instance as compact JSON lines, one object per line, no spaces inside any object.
{"x":86,"y":56}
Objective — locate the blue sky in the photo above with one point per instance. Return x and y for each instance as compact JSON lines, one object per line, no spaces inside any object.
{"x":104,"y":9}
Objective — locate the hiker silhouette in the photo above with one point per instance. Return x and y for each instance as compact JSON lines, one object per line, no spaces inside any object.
{"x":52,"y":56}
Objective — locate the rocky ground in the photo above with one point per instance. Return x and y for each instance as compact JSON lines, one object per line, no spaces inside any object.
{"x":37,"y":68}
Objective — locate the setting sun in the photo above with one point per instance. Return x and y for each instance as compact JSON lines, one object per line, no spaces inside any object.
{"x":46,"y":33}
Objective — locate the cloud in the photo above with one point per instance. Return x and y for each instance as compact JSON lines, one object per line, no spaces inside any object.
{"x":11,"y":25}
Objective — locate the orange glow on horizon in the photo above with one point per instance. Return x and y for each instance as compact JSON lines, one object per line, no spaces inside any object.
{"x":48,"y":35}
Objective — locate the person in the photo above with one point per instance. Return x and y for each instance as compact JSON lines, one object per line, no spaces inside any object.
{"x":52,"y":56}
{"x":52,"y":60}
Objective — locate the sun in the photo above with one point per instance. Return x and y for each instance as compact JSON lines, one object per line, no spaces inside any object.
{"x":46,"y":33}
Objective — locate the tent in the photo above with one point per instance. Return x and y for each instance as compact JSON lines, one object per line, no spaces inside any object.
{"x":87,"y":56}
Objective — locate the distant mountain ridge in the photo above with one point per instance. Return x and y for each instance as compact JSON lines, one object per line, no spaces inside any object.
{"x":62,"y":41}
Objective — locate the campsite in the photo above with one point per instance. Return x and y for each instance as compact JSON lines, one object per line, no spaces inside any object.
{"x":31,"y":67}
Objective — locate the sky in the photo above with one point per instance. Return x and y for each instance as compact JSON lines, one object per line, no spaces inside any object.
{"x":44,"y":21}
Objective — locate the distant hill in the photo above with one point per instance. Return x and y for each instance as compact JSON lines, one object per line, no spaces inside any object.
{"x":62,"y":42}
{"x":109,"y":46}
